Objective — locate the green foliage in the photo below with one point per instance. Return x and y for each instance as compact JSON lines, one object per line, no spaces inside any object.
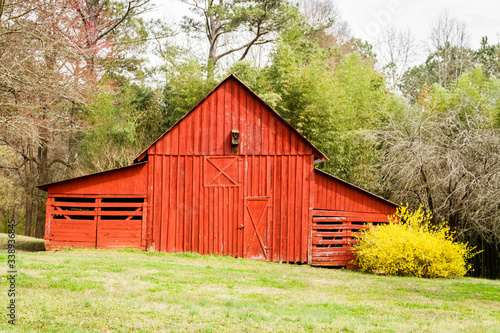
{"x":114,"y":137}
{"x":185,"y":86}
{"x":472,"y":94}
{"x":333,"y":101}
{"x":412,"y":247}
{"x":447,"y":64}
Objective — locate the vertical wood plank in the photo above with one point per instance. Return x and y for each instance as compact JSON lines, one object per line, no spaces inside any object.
{"x":284,"y":209}
{"x":186,"y":141}
{"x":279,"y":138}
{"x":220,"y":120}
{"x":150,"y":199}
{"x":241,"y":206}
{"x":286,"y":140}
{"x":250,"y":117}
{"x":197,"y":116}
{"x":312,"y":194}
{"x":179,"y":229}
{"x":293,"y":143}
{"x":196,"y":205}
{"x":157,"y":203}
{"x":300,"y":146}
{"x":227,"y":117}
{"x":212,"y":114}
{"x":278,"y":194}
{"x":203,"y":214}
{"x":292,"y":191}
{"x":243,"y":122}
{"x":172,"y":214}
{"x":272,"y":134}
{"x":165,"y":202}
{"x":265,"y":129}
{"x":167,"y":143}
{"x":205,"y":128}
{"x":175,"y":140}
{"x":216,"y":220}
{"x":306,"y":205}
{"x":188,"y":202}
{"x":230,"y":225}
{"x":299,"y":203}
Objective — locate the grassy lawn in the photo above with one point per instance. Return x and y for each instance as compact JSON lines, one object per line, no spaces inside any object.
{"x":122,"y":291}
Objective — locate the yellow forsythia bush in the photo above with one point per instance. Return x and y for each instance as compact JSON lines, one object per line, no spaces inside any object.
{"x":412,"y":247}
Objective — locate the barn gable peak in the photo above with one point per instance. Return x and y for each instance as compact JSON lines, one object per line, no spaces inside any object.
{"x":232,"y":105}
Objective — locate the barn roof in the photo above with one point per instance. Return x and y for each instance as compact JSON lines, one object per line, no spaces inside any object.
{"x":356,"y":187}
{"x":46,"y":186}
{"x":319,"y":156}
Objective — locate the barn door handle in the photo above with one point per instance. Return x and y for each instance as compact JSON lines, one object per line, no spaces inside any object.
{"x":241,"y":227}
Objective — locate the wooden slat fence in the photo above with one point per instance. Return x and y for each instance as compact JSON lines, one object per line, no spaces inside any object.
{"x":95,"y":222}
{"x":334,"y":233}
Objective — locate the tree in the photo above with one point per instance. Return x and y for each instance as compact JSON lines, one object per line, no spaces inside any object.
{"x":397,"y":51}
{"x":449,"y":55}
{"x":489,"y":56}
{"x":332,"y":100}
{"x":46,"y":80}
{"x":235,"y":26}
{"x":324,"y":15}
{"x":446,"y":155}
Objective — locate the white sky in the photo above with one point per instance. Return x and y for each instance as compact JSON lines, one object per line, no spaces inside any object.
{"x":481,"y":16}
{"x":367,"y":17}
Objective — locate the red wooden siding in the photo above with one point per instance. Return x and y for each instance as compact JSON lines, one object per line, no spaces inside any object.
{"x":203,"y":210}
{"x":204,"y":195}
{"x":334,"y":194}
{"x":127,"y":180}
{"x":206,"y":130}
{"x":341,"y":210}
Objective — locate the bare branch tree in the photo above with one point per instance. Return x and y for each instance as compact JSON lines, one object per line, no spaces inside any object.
{"x":397,"y":52}
{"x":449,"y":44}
{"x":46,"y":83}
{"x":325,"y":14}
{"x":451,"y":164}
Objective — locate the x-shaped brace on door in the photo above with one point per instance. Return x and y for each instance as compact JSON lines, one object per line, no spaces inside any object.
{"x":221,"y":170}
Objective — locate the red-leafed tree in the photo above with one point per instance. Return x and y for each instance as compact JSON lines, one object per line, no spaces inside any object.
{"x":52,"y":56}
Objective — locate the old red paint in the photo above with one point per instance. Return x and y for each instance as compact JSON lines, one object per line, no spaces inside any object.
{"x":190,"y":191}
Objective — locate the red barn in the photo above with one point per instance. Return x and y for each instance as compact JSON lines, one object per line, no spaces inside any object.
{"x":231,"y":177}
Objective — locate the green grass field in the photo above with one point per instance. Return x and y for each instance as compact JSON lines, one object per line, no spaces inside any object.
{"x":124,"y":291}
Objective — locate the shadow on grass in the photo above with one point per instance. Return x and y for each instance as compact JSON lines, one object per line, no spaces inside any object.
{"x":23,"y":243}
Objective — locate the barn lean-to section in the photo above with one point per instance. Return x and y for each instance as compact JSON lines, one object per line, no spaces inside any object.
{"x":104,"y":210}
{"x":341,"y":211}
{"x":258,"y":197}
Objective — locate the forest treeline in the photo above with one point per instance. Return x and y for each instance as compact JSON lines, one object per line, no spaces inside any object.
{"x":78,"y":95}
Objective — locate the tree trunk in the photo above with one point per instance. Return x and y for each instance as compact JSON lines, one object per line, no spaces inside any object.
{"x":43,"y":177}
{"x":29,"y":215}
{"x":215,"y":25}
{"x":15,"y":214}
{"x":40,"y":219}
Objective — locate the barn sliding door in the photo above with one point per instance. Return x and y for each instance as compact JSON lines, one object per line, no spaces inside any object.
{"x":257,"y":207}
{"x":256,"y":240}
